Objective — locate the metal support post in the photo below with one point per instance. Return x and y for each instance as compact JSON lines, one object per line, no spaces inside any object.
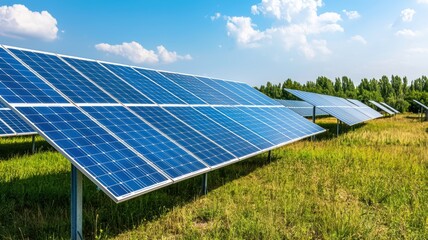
{"x":269,"y":155}
{"x":33,"y":140}
{"x":426,"y":115}
{"x":205,"y":184}
{"x":313,"y":120}
{"x":76,"y":204}
{"x":338,"y":127}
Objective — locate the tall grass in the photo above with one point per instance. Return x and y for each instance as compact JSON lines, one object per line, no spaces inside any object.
{"x":370,"y":182}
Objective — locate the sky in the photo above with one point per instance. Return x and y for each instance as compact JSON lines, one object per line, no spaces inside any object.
{"x":251,"y":41}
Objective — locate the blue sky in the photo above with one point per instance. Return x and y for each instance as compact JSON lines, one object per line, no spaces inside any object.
{"x":249,"y":41}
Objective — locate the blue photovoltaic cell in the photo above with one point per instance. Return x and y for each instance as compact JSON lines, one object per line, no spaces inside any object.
{"x":420,"y":104}
{"x":251,"y":122}
{"x":232,"y":143}
{"x":204,"y":148}
{"x":15,"y":122}
{"x":258,"y":116}
{"x":169,"y":85}
{"x":225,"y":91}
{"x":389,"y":107}
{"x":294,"y":122}
{"x":63,"y":77}
{"x":235,"y":127}
{"x":165,"y":154}
{"x":101,"y":156}
{"x":149,"y":88}
{"x":19,"y":85}
{"x":4,"y":129}
{"x":366,"y":109}
{"x":108,"y":81}
{"x":254,"y":96}
{"x":200,"y":89}
{"x":381,"y":107}
{"x":301,"y":107}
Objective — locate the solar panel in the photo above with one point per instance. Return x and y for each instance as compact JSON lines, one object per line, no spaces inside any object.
{"x":236,"y":145}
{"x":20,"y":85}
{"x":5,"y":130}
{"x":335,"y":106}
{"x":155,"y":147}
{"x":420,"y":104}
{"x":63,"y":77}
{"x":132,"y":130}
{"x":172,"y":87}
{"x":301,"y":107}
{"x":199,"y":89}
{"x":13,"y":121}
{"x":149,"y":88}
{"x":11,"y":124}
{"x":106,"y":160}
{"x":204,"y":148}
{"x":390,"y":108}
{"x":366,"y":109}
{"x":115,"y":86}
{"x":236,"y":127}
{"x":215,"y":84}
{"x":381,"y":107}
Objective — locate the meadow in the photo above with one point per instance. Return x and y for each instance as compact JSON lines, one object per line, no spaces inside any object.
{"x":371,"y":182}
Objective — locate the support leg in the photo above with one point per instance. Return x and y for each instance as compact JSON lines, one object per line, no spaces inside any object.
{"x":269,"y":155}
{"x":205,"y":184}
{"x":33,"y":142}
{"x":338,"y":128}
{"x":76,"y":204}
{"x":313,"y":120}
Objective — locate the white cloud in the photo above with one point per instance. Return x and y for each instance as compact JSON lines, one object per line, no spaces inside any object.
{"x":359,"y":39}
{"x":216,"y":16}
{"x":20,"y":22}
{"x":286,"y":9}
{"x":170,"y":57}
{"x":422,"y":1}
{"x":407,"y":15}
{"x":351,"y":14}
{"x":136,"y":53}
{"x":296,"y":26}
{"x":406,"y":33}
{"x":242,"y":29}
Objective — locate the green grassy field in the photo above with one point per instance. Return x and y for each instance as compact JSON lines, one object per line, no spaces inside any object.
{"x":370,"y":182}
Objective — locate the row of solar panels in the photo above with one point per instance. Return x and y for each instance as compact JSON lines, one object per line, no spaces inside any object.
{"x":132,"y":130}
{"x":349,"y":111}
{"x":11,"y":124}
{"x":306,"y":110}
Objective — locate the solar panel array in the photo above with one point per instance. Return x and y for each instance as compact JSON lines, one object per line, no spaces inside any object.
{"x":132,"y":130}
{"x":366,"y":109}
{"x":382,"y":107}
{"x":337,"y":107}
{"x":389,"y":107}
{"x":301,"y":107}
{"x":11,"y":124}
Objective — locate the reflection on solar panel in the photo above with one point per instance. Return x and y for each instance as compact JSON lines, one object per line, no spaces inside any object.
{"x":11,"y":124}
{"x":366,"y":109}
{"x":338,"y":107}
{"x":381,"y":107}
{"x":420,"y":104}
{"x":132,"y":130}
{"x":389,"y":107}
{"x":301,"y":107}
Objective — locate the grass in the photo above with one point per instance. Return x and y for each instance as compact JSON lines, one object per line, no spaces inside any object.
{"x":370,"y":182}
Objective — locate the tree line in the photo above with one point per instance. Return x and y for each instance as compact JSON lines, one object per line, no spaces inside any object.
{"x":395,"y":91}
